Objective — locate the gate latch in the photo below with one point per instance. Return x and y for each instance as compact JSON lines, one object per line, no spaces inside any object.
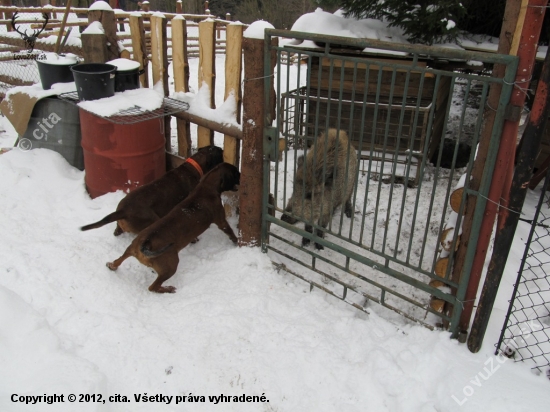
{"x":513,"y":113}
{"x":271,"y":142}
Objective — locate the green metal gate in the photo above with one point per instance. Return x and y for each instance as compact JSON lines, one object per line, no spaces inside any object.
{"x":368,"y":217}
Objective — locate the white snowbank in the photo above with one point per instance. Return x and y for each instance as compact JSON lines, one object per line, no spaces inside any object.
{"x":143,"y":99}
{"x":100,"y":5}
{"x":256,"y":30}
{"x":235,"y":325}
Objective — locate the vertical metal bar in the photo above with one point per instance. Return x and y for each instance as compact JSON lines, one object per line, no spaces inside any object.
{"x":384,"y":151}
{"x":266,"y":176}
{"x":360,"y":155}
{"x":430,"y":209}
{"x":373,"y":138}
{"x":409,"y":162}
{"x":349,"y":151}
{"x":481,"y":202}
{"x":397,"y":149}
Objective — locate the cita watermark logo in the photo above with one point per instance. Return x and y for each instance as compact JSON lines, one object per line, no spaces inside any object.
{"x":41,"y":131}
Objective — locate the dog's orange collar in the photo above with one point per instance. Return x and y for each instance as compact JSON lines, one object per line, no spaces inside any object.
{"x":195,"y":165}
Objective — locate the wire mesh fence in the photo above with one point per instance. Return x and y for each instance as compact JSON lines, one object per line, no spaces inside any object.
{"x":526,"y":332}
{"x":17,"y":73}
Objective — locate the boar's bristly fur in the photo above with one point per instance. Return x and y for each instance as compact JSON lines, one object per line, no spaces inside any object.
{"x":324,"y":180}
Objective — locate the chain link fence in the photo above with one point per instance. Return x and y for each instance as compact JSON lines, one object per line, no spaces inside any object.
{"x":526,"y":332}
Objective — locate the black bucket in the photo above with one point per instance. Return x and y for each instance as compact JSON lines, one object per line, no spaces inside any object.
{"x":54,"y":73}
{"x":94,"y":80}
{"x":127,"y":79}
{"x":127,"y":74}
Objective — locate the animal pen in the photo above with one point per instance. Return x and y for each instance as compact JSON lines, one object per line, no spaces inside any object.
{"x":399,"y":246}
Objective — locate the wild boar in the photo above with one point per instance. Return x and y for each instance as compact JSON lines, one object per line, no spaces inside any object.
{"x":324,"y":180}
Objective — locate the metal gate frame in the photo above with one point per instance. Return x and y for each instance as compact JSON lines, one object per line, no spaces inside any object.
{"x":271,"y":154}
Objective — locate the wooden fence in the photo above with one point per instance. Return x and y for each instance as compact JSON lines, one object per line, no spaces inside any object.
{"x":154,"y":39}
{"x":149,"y":42}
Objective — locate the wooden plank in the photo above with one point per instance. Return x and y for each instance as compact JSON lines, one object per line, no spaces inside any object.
{"x":325,"y":61}
{"x":233,"y":68}
{"x":159,"y":60}
{"x":139,"y":48}
{"x":225,"y":128}
{"x":180,"y":65}
{"x":207,"y":72}
{"x":359,"y":84}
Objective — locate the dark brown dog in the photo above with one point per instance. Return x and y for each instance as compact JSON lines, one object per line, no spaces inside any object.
{"x":147,"y":204}
{"x":158,"y":245}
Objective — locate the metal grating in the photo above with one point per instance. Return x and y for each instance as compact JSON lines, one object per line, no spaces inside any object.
{"x":135,"y":114}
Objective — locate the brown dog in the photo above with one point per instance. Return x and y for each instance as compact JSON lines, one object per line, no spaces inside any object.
{"x":158,"y":245}
{"x":147,"y":204}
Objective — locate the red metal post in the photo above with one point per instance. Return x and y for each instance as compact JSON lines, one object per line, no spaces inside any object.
{"x":505,"y":158}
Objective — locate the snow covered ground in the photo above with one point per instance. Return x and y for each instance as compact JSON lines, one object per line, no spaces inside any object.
{"x":69,"y":326}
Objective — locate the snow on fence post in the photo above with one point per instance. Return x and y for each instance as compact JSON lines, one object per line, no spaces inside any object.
{"x":139,"y":48}
{"x":233,"y":68}
{"x":106,"y":16}
{"x":180,"y":65}
{"x":254,"y":118}
{"x":207,"y":72}
{"x":159,"y":60}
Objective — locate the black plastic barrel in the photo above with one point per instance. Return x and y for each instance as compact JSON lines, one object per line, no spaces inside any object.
{"x":54,"y":73}
{"x":55,"y":125}
{"x":94,"y":80}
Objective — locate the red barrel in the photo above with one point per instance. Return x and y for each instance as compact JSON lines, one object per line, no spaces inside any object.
{"x":121,"y":156}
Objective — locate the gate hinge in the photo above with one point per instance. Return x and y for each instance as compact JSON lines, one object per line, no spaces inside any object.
{"x":270,"y":144}
{"x":513,"y":113}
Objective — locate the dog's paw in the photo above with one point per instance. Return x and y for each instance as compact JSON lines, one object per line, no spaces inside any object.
{"x":166,"y":289}
{"x":111,"y":265}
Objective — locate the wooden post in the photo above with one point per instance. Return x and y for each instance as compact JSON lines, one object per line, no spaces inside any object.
{"x":108,"y":21}
{"x":207,"y":72}
{"x":145,"y":6}
{"x":137,"y":31}
{"x":7,"y":15}
{"x":180,"y":65}
{"x":529,"y":38}
{"x":528,"y":152}
{"x":233,"y":68}
{"x":94,"y":47}
{"x":254,"y":118}
{"x":159,"y":60}
{"x":179,"y":7}
{"x":228,"y":16}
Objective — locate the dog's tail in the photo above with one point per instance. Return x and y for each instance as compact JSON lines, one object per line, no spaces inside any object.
{"x":119,"y":214}
{"x":145,"y":249}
